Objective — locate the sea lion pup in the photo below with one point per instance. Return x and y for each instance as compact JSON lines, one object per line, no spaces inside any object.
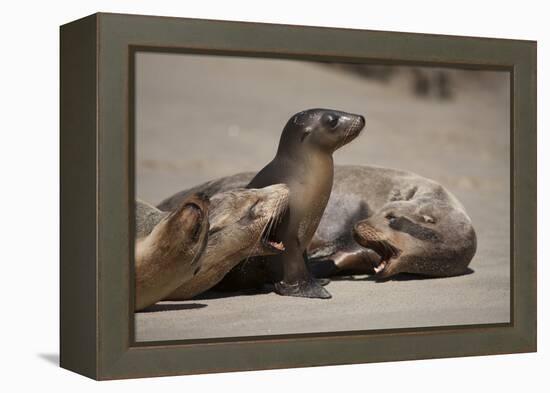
{"x":304,"y":162}
{"x":405,"y":222}
{"x":240,"y":227}
{"x":384,"y":222}
{"x":168,"y":247}
{"x":422,"y":229}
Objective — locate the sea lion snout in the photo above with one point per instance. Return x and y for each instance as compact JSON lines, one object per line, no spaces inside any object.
{"x":344,"y":127}
{"x":379,"y":241}
{"x":320,"y":129}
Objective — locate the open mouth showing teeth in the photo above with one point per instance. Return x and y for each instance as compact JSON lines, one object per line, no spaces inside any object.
{"x":270,"y":241}
{"x":277,"y":246}
{"x":372,"y":239}
{"x":385,"y":250}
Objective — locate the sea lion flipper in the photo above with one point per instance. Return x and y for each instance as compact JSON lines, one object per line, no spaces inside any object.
{"x":322,"y":281}
{"x":308,"y":288}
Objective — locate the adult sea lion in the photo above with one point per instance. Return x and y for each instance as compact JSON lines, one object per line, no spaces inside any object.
{"x":167,"y":247}
{"x":240,"y":223}
{"x":304,"y":162}
{"x":378,"y":221}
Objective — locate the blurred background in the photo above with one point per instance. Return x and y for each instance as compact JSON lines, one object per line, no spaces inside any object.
{"x":202,"y":117}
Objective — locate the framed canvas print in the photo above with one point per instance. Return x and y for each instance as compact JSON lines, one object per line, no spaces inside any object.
{"x":241,"y":196}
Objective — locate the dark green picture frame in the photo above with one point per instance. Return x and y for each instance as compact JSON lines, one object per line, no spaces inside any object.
{"x":97,"y":178}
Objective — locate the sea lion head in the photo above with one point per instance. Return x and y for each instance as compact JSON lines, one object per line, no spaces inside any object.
{"x":243,"y":220}
{"x":180,"y":237}
{"x":323,"y":129}
{"x":418,"y":237}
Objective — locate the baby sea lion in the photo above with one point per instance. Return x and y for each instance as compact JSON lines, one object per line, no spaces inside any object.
{"x":304,"y":163}
{"x":384,"y":222}
{"x":378,"y":221}
{"x":240,"y":228}
{"x":426,"y":233}
{"x":168,"y":247}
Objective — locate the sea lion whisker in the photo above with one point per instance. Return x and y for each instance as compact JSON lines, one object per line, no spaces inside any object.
{"x":274,"y":219}
{"x":264,"y":232}
{"x":347,"y":131}
{"x":281,"y":208}
{"x":255,"y":243}
{"x":268,"y":228}
{"x":269,"y":225}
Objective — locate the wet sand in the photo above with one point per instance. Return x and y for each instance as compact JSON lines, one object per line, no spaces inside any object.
{"x":202,"y":118}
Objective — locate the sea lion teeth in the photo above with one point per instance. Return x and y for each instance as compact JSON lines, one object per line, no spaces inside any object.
{"x":277,"y":245}
{"x":379,"y":268}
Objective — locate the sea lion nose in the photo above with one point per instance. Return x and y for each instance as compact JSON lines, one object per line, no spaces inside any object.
{"x":362,"y":119}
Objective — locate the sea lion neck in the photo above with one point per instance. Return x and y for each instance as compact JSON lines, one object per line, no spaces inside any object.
{"x":298,"y":155}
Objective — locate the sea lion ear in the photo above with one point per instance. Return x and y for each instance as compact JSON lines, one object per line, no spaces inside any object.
{"x":305,"y":133}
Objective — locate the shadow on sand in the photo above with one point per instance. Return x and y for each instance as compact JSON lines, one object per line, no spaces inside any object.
{"x":398,"y":277}
{"x":269,"y":288}
{"x":224,"y":294}
{"x":159,"y":307}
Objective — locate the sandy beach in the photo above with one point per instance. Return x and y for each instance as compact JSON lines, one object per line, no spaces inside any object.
{"x":200,"y":118}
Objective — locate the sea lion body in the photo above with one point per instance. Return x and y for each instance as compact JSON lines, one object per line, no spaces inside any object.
{"x":384,"y":222}
{"x":238,"y":221}
{"x":168,"y":247}
{"x":430,"y":231}
{"x":304,"y":163}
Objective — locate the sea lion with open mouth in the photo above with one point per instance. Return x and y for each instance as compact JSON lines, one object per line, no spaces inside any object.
{"x":378,"y":221}
{"x":241,"y":222}
{"x":168,"y":247}
{"x":384,"y":222}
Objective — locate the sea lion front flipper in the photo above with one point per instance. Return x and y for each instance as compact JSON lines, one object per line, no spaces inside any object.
{"x":308,"y":288}
{"x":322,"y":281}
{"x":354,"y":260}
{"x":290,"y":275}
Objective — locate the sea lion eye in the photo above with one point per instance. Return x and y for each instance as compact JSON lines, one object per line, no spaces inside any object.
{"x":252,"y":213}
{"x":332,"y":121}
